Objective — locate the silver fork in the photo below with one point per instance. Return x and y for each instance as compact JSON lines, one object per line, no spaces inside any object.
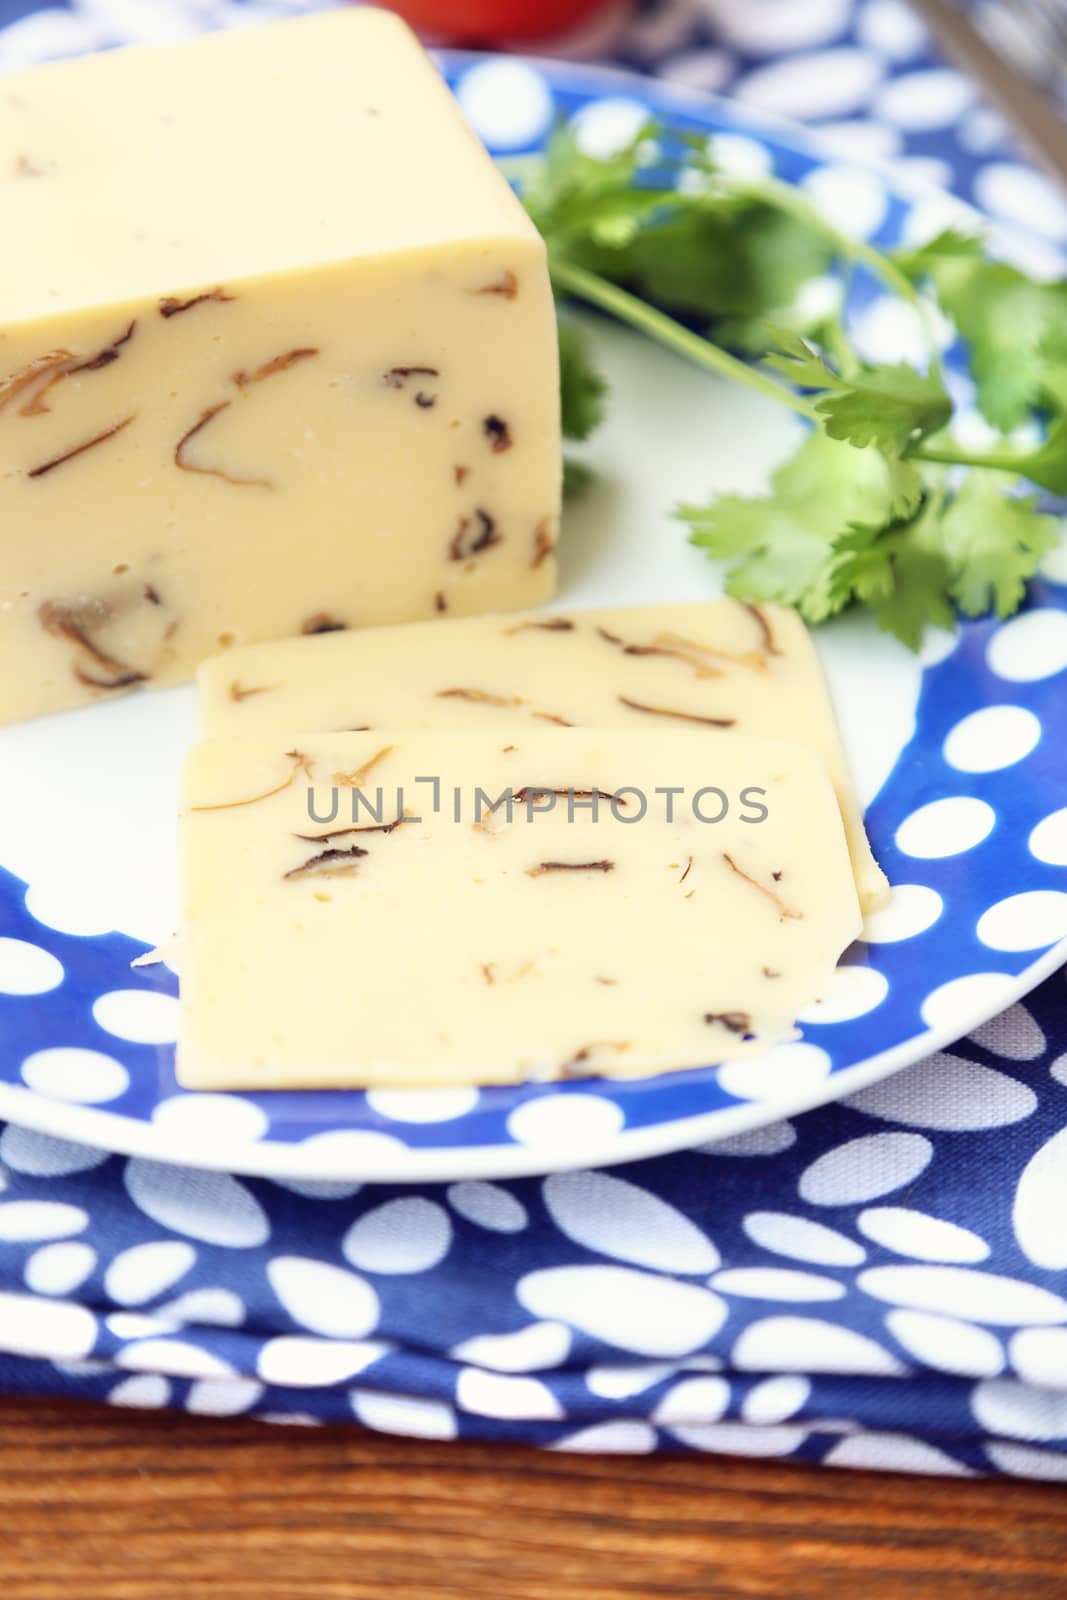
{"x":1019,"y":56}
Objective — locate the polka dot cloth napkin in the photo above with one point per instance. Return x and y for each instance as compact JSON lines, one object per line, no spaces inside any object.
{"x":882,"y":1284}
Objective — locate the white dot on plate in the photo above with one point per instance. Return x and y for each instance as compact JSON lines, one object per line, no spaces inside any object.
{"x":853,"y":199}
{"x":854,"y":139}
{"x":935,"y":97}
{"x":852,"y":993}
{"x":821,"y":83}
{"x":960,"y":1002}
{"x":946,"y":827}
{"x":27,"y":969}
{"x":1053,"y":565}
{"x":912,"y":908}
{"x":565,"y":1120}
{"x":59,"y":1268}
{"x":211,"y":1118}
{"x":1048,"y":841}
{"x":1021,"y":194}
{"x":889,"y":329}
{"x":1025,"y":921}
{"x":604,"y":127}
{"x":740,"y":155}
{"x":508,"y":103}
{"x":139,"y":1015}
{"x":770,"y":27}
{"x":933,"y":213}
{"x":1030,"y":647}
{"x":84,"y":1077}
{"x":938,"y":644}
{"x":784,"y":1070}
{"x":992,"y":738}
{"x":353,"y":1153}
{"x":890,"y":28}
{"x":59,"y":906}
{"x":422,"y":1105}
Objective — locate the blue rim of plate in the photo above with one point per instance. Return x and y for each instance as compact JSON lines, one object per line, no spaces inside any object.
{"x":919,"y":993}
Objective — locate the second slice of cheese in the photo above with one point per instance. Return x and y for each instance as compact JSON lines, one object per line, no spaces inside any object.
{"x":330,"y":938}
{"x":707,"y":667}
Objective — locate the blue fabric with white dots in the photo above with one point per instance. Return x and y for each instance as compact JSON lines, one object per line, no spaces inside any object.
{"x":879,"y":1283}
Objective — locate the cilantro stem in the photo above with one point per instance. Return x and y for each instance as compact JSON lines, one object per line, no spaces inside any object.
{"x":998,"y":460}
{"x":637,"y":313}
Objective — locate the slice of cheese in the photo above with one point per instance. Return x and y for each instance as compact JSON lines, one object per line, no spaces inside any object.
{"x":337,"y":929}
{"x":707,"y":667}
{"x":277,"y":354}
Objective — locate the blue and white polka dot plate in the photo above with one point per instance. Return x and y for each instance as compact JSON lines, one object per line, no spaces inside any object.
{"x":962,"y":755}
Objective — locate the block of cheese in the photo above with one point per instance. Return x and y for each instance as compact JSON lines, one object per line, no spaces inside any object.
{"x":277,"y":354}
{"x":368,"y":908}
{"x":707,"y":667}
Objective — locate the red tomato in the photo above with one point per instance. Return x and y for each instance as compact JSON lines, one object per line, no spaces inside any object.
{"x":484,"y":21}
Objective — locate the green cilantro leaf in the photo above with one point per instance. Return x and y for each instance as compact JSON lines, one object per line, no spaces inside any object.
{"x":888,"y":407}
{"x":1012,"y":323}
{"x":582,"y":389}
{"x":864,"y":512}
{"x":993,"y":542}
{"x":900,"y":572}
{"x":781,"y":546}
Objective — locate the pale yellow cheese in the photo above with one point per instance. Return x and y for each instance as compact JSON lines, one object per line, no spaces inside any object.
{"x":467,"y":945}
{"x":277,"y":353}
{"x":706,"y":667}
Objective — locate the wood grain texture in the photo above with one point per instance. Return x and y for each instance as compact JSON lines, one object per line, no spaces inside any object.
{"x":110,"y":1505}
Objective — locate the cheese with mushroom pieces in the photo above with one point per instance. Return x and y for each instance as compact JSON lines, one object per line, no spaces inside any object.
{"x":710,"y":666}
{"x":260,"y":373}
{"x":333,"y":941}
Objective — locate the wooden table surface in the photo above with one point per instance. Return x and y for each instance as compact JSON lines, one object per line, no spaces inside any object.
{"x":101,"y":1504}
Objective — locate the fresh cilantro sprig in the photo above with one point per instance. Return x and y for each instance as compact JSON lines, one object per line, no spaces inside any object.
{"x":881,"y":505}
